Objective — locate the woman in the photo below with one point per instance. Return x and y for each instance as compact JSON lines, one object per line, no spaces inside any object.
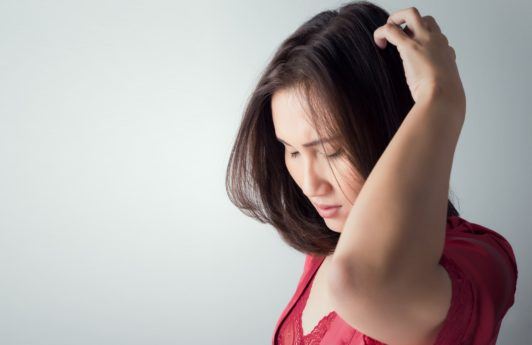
{"x":346,"y":148}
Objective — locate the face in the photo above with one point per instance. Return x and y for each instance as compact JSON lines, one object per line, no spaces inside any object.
{"x":308,"y":164}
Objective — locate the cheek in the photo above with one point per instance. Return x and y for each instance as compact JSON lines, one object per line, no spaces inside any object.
{"x":349,"y":179}
{"x":343,"y":170}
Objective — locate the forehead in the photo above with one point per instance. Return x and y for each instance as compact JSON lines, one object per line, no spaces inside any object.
{"x":290,"y":115}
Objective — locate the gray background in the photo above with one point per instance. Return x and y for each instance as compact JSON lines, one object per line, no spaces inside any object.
{"x":116,"y":121}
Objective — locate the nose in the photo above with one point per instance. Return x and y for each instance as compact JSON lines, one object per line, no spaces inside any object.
{"x":314,"y":181}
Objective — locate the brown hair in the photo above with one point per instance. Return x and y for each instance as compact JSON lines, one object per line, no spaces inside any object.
{"x":364,"y":98}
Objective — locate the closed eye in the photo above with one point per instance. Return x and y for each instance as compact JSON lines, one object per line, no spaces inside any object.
{"x":334,"y":155}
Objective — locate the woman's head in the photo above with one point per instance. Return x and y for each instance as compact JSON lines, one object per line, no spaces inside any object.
{"x":326,"y":80}
{"x":317,"y":164}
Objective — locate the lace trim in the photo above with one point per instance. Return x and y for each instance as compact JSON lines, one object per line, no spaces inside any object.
{"x":319,"y":330}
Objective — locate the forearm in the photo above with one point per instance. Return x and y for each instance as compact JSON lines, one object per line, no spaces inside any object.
{"x":397,"y":223}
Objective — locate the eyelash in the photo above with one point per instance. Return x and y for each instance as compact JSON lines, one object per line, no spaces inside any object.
{"x":334,"y":155}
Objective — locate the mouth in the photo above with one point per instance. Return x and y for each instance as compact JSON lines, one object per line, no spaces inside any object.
{"x":328,"y":211}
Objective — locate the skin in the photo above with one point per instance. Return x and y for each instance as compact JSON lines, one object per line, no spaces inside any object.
{"x":374,"y":280}
{"x":309,"y":168}
{"x":308,"y":165}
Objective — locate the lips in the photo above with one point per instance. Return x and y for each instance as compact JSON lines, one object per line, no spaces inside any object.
{"x":328,"y":212}
{"x":326,"y":207}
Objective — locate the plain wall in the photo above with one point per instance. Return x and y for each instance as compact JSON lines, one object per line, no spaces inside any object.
{"x":116,"y":123}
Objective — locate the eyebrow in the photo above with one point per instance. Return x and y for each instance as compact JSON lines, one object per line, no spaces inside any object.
{"x":312,"y":143}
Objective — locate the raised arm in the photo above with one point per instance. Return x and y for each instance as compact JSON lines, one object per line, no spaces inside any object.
{"x":384,"y":276}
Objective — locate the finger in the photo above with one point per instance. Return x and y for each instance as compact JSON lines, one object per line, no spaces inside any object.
{"x":409,"y":32}
{"x":431,"y":24}
{"x":453,"y":53}
{"x":390,"y":33}
{"x":412,"y":18}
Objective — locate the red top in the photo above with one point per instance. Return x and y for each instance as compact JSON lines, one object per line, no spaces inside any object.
{"x":483,"y":272}
{"x":292,"y":329}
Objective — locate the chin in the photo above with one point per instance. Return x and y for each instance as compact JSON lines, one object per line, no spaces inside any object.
{"x":334,"y":227}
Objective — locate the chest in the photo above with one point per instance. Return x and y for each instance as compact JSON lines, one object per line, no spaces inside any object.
{"x":318,"y":304}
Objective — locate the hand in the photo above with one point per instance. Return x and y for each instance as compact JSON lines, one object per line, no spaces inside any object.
{"x":429,"y":62}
